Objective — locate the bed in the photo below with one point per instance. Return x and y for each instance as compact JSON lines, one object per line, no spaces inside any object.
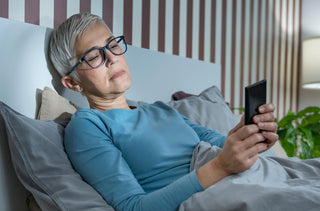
{"x":32,"y":156}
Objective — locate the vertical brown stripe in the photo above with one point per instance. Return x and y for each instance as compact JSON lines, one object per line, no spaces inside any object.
{"x":243,"y":30}
{"x":107,"y":13}
{"x":201,"y":29}
{"x":32,"y":11}
{"x":233,"y":49}
{"x":161,"y":26}
{"x":293,"y":59}
{"x":4,"y":8}
{"x":279,"y":58}
{"x":250,"y":40}
{"x":127,"y":21}
{"x":176,"y":26}
{"x":266,"y":38}
{"x":258,"y":42}
{"x":189,"y":28}
{"x":213,"y":31}
{"x":60,"y":12}
{"x":285,"y":60}
{"x":272,"y":48}
{"x":223,"y":46}
{"x":145,"y":34}
{"x":85,"y":5}
{"x":299,"y":56}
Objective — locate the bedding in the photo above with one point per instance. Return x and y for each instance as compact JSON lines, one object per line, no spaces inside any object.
{"x":55,"y":107}
{"x":43,"y":167}
{"x":272,"y":183}
{"x":37,"y":146}
{"x":207,"y":109}
{"x":37,"y":150}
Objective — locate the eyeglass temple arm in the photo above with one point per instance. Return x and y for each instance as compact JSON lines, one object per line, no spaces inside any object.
{"x":74,"y":67}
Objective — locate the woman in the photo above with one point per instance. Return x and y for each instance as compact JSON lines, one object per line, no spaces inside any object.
{"x":139,"y":158}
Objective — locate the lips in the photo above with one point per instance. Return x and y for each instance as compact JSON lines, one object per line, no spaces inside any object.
{"x":117,"y":74}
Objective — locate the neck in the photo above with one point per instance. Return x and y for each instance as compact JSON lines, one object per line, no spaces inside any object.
{"x":103,"y":104}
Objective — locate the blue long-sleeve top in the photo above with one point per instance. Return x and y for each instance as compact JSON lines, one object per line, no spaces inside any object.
{"x":137,"y":159}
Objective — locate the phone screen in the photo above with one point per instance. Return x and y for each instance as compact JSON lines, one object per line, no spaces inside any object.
{"x":255,"y":96}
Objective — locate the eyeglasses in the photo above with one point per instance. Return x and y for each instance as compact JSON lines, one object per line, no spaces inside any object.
{"x":97,"y":57}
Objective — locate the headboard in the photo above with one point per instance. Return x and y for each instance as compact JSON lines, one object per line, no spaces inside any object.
{"x":155,"y":75}
{"x":24,"y":72}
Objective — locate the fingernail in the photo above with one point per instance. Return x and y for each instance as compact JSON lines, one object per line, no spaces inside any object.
{"x":257,"y":119}
{"x":261,"y":109}
{"x":260,"y":124}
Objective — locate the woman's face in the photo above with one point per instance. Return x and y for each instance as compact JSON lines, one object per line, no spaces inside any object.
{"x":109,"y":80}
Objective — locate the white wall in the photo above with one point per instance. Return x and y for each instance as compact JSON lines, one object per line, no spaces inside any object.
{"x":310,"y":27}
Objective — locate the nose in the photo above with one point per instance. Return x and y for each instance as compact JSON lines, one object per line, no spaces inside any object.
{"x":110,"y":58}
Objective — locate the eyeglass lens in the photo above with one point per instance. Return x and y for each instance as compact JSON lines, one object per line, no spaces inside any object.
{"x":96,"y":57}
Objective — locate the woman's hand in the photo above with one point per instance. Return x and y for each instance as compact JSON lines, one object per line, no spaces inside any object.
{"x":265,"y":123}
{"x":240,"y":151}
{"x":242,"y":147}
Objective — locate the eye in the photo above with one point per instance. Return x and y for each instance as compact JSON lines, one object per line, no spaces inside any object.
{"x":114,"y":45}
{"x":93,"y":58}
{"x":93,"y":55}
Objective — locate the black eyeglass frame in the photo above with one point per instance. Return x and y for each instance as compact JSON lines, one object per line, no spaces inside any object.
{"x":104,"y":53}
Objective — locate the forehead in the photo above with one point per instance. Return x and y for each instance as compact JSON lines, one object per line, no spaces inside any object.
{"x":95,"y":36}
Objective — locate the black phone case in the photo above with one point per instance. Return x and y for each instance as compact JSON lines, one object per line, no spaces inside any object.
{"x":255,"y":96}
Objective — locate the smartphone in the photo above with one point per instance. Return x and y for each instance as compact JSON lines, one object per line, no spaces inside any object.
{"x":255,"y":96}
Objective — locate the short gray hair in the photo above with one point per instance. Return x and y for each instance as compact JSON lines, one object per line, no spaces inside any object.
{"x":62,"y":41}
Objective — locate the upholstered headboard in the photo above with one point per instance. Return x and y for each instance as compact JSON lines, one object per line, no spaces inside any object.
{"x":155,"y":75}
{"x":24,"y":71}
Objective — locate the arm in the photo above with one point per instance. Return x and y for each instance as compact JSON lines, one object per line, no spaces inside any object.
{"x":100,"y":163}
{"x":205,"y":134}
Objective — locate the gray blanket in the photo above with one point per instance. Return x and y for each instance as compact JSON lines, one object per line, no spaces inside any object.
{"x":272,"y":183}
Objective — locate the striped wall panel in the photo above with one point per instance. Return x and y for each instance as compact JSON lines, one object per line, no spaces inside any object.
{"x":251,"y":39}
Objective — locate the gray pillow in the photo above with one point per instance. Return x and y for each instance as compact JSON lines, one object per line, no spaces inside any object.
{"x":207,"y":109}
{"x":43,"y":167}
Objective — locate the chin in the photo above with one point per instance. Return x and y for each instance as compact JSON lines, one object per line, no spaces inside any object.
{"x":124,"y":86}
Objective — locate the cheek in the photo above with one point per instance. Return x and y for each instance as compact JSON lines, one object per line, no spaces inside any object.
{"x":91,"y":78}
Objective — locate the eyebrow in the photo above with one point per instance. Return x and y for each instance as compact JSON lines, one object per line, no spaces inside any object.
{"x":93,"y":47}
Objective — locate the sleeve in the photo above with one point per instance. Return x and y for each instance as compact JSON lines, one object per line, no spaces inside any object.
{"x":205,"y":134}
{"x":100,"y":163}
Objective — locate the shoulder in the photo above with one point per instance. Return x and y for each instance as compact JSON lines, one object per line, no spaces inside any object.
{"x":83,"y":115}
{"x":85,"y":119}
{"x":85,"y":125}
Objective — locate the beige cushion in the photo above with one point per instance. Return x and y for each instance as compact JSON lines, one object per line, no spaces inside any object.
{"x":55,"y":107}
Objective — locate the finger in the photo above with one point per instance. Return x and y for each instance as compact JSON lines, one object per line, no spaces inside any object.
{"x":268,"y":126}
{"x":273,"y":137}
{"x":266,"y":117}
{"x":256,"y":149}
{"x":266,"y":108}
{"x":253,"y":159}
{"x":252,"y":140}
{"x":246,"y":131}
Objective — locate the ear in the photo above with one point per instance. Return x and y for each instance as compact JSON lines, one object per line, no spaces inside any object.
{"x":71,"y":83}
